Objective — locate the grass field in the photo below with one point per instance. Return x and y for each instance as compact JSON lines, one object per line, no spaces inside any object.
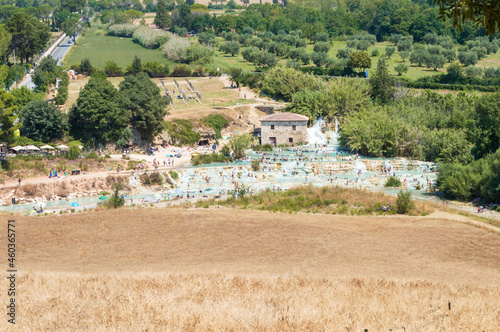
{"x":209,"y":88}
{"x":200,"y":269}
{"x":100,"y":49}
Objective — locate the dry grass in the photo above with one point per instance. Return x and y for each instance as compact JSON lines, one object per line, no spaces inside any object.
{"x":326,"y":200}
{"x":200,"y":269}
{"x":153,"y":302}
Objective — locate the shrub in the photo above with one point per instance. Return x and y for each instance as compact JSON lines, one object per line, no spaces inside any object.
{"x":174,"y":175}
{"x":181,"y":71}
{"x":264,"y":147}
{"x":155,"y":69}
{"x":151,"y":179}
{"x":111,"y":69}
{"x":115,"y":201}
{"x":404,"y":203}
{"x":150,"y":38}
{"x":255,"y":165}
{"x":393,"y":182}
{"x":181,"y":131}
{"x":201,"y":159}
{"x":176,"y":48}
{"x":217,"y":122}
{"x":122,"y":30}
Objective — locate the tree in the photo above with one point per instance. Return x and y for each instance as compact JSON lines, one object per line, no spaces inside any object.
{"x":135,"y":67}
{"x":284,"y":83}
{"x":185,"y":18}
{"x":8,"y":117}
{"x":97,"y":115}
{"x":45,"y":73}
{"x":29,"y":36}
{"x":111,"y":69}
{"x":143,"y":100}
{"x":401,"y":68}
{"x":467,"y":58}
{"x":382,"y":83}
{"x":230,"y":47}
{"x":239,"y":144}
{"x":72,"y":27}
{"x":322,"y":47}
{"x":454,"y":72}
{"x":389,"y":51}
{"x":162,"y":19}
{"x":73,"y":5}
{"x":42,"y":121}
{"x":479,"y":11}
{"x":5,"y":39}
{"x":419,"y":56}
{"x":435,"y":61}
{"x":404,"y":55}
{"x":359,"y":60}
{"x":23,"y":95}
{"x":86,"y":67}
{"x":134,"y":14}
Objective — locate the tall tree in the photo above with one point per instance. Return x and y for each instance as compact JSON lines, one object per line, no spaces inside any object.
{"x":143,"y":100}
{"x":29,"y":36}
{"x":97,"y":115}
{"x":359,"y":60}
{"x":8,"y":117}
{"x":41,"y":121}
{"x":72,"y":27}
{"x":382,"y":83}
{"x":162,"y":19}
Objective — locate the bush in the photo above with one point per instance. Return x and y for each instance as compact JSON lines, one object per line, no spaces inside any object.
{"x":155,"y":69}
{"x":176,"y":48}
{"x":122,"y":30}
{"x":404,"y":203}
{"x":174,"y":175}
{"x":217,"y":122}
{"x":115,"y":201}
{"x":62,"y":92}
{"x":151,"y":179}
{"x":181,"y":71}
{"x":149,"y":38}
{"x":255,"y":165}
{"x":181,"y":131}
{"x":111,"y":69}
{"x":201,"y":159}
{"x":393,"y":182}
{"x":264,"y":147}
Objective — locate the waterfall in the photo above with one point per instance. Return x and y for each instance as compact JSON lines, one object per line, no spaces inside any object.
{"x":314,"y":134}
{"x":336,"y":127}
{"x":359,"y":166}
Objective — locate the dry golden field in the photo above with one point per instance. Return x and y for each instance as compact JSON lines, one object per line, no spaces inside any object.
{"x":223,"y":269}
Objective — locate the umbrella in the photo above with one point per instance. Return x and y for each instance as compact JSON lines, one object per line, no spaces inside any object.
{"x":168,"y":155}
{"x":208,"y":189}
{"x":157,"y":195}
{"x":32,"y":147}
{"x":103,"y":198}
{"x":178,"y":192}
{"x":46,"y":147}
{"x":18,"y":147}
{"x":75,"y":204}
{"x":123,"y":196}
{"x":62,"y":147}
{"x":148,"y":199}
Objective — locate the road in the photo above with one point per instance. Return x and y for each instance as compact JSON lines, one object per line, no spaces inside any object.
{"x":58,"y":53}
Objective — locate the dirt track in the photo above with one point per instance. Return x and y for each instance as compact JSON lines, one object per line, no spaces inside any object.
{"x":175,"y":240}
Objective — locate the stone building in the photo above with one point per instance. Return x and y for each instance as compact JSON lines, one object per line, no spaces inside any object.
{"x":283,"y":129}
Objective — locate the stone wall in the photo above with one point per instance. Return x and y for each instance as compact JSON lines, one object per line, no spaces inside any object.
{"x":283,"y":131}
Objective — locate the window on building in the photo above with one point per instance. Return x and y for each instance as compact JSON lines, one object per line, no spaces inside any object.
{"x":294,"y":128}
{"x":272,"y":127}
{"x":290,"y":140}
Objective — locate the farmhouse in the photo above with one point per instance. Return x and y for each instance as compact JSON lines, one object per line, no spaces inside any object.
{"x":283,"y":129}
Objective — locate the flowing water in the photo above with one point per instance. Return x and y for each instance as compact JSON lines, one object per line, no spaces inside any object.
{"x":319,"y":163}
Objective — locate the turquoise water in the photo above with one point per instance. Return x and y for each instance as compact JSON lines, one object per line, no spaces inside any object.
{"x":281,"y":169}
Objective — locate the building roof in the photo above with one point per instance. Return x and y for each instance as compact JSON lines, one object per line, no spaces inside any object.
{"x":284,"y":117}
